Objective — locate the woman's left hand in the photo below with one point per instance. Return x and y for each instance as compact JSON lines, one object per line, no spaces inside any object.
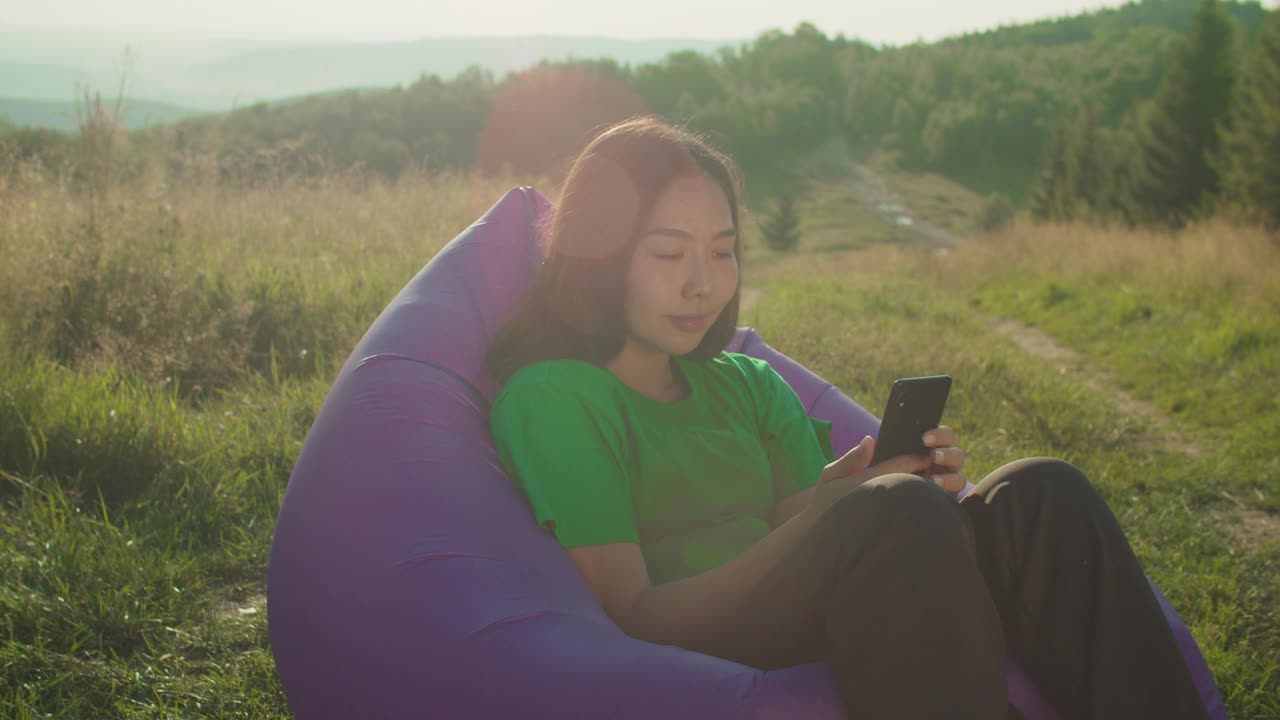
{"x":947,"y":460}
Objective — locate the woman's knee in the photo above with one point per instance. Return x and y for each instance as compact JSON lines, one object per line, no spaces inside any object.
{"x":1040,"y":477}
{"x":902,"y":495}
{"x":901,"y":516}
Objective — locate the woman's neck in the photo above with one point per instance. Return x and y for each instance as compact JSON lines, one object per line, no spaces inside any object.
{"x":651,"y":374}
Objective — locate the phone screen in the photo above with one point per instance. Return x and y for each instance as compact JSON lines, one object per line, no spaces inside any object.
{"x":915,"y":406}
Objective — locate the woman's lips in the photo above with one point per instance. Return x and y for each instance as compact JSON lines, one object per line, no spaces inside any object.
{"x":689,"y":323}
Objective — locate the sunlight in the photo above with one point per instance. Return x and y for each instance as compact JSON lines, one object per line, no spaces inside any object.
{"x":545,"y":116}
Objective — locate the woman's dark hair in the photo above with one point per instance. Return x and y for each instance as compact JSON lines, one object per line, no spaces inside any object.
{"x":575,"y":304}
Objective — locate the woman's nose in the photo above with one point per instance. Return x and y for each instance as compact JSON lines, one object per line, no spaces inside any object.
{"x":698,"y":283}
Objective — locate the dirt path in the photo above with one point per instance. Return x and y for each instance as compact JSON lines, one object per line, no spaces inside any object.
{"x":1252,"y":528}
{"x":1040,"y":344}
{"x":870,"y":190}
{"x":248,"y":606}
{"x":1247,"y":526}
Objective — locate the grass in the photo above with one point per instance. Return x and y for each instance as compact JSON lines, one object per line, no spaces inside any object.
{"x":934,"y":198}
{"x":110,"y":606}
{"x":136,"y":510}
{"x":1184,"y":322}
{"x":197,"y":282}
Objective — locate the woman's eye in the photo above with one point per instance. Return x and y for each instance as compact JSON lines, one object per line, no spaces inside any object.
{"x":679,"y":255}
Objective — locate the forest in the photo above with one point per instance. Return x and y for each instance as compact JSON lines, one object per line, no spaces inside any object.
{"x":1151,"y":113}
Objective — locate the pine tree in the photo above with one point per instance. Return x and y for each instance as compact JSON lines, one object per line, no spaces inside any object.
{"x":1046,"y":197}
{"x":1084,"y":163}
{"x":1071,"y":173}
{"x":1178,"y":130}
{"x":1119,"y":161}
{"x":781,"y":229}
{"x":1250,"y":158}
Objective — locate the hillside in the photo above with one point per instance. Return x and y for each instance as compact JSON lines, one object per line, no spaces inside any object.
{"x":1174,"y":15}
{"x":166,"y":352}
{"x":58,"y":115}
{"x":980,"y":109}
{"x":211,"y":73}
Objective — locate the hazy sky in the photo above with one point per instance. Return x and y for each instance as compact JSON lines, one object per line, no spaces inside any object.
{"x":884,"y":21}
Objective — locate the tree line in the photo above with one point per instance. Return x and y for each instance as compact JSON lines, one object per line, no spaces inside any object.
{"x":1207,"y":140}
{"x":1087,"y":116}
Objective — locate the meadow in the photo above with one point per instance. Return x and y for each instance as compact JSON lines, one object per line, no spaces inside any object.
{"x":167,"y":343}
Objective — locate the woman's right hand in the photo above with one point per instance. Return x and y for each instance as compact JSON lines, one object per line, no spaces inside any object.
{"x":851,"y":470}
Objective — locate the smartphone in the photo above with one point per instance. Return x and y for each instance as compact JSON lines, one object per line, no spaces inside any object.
{"x":914,"y":408}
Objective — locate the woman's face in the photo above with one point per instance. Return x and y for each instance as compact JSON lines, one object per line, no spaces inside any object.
{"x":684,"y":269}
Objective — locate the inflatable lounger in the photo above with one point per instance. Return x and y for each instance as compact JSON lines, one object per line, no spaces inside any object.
{"x":409,"y":579}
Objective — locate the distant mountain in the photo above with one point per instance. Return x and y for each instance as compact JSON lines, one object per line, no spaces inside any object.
{"x":268,"y":74}
{"x":41,"y":81}
{"x":61,"y":115}
{"x":210,"y":73}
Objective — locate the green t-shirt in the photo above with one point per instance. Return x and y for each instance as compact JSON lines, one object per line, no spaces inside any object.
{"x":691,"y":481}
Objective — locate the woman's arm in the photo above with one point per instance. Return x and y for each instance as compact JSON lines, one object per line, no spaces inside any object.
{"x":789,"y":507}
{"x":678,"y":612}
{"x":945,"y":471}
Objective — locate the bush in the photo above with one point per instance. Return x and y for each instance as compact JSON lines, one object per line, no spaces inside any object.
{"x":781,"y":228}
{"x":996,"y":212}
{"x":102,"y":432}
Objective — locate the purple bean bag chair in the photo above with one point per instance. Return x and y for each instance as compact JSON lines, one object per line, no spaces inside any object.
{"x":408,"y":578}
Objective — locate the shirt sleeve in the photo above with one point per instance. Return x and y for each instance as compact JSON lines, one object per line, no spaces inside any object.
{"x":798,"y":446}
{"x":569,"y":462}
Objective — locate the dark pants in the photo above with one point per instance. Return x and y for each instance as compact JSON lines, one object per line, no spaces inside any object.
{"x":914,"y":599}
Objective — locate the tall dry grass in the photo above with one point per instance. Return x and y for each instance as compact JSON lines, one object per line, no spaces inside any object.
{"x":130,"y":518}
{"x":1216,"y":256}
{"x":199,"y":282}
{"x":1244,"y":259}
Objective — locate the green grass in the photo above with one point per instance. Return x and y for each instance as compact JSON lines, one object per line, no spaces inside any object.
{"x":865,"y":330}
{"x":128,"y":522}
{"x":136,"y":513}
{"x":1207,"y":361}
{"x":833,"y":221}
{"x":941,"y":201}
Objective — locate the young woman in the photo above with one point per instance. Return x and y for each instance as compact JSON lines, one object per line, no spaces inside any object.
{"x":705,"y":510}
